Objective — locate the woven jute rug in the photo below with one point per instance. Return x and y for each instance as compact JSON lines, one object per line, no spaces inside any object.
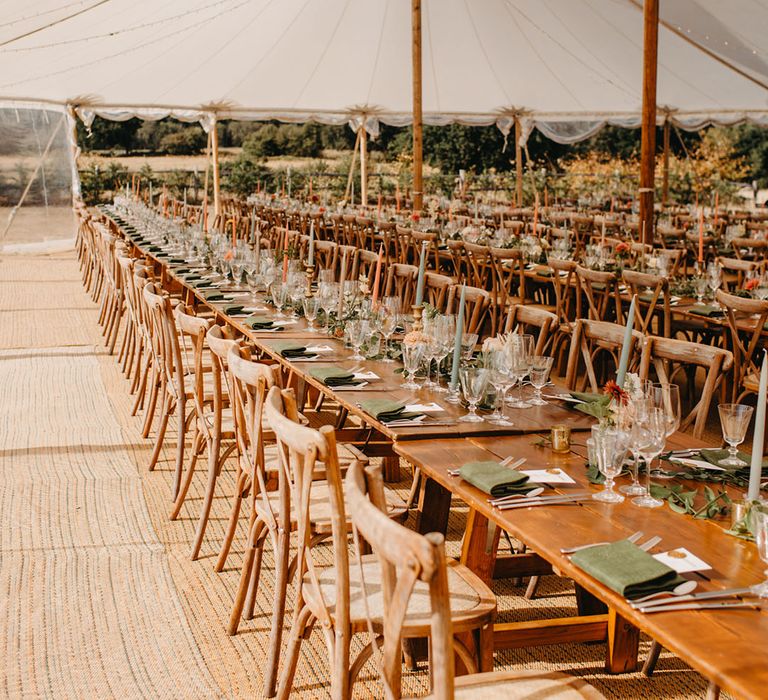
{"x":100,"y":598}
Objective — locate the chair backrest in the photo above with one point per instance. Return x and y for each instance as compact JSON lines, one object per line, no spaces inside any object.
{"x":564,"y":284}
{"x":652,"y":293}
{"x":668,"y":357}
{"x":508,"y":279}
{"x":592,"y":338}
{"x":601,"y":290}
{"x":746,"y":322}
{"x":477,"y":304}
{"x":401,"y":283}
{"x":437,"y":290}
{"x":193,"y":329}
{"x":734,"y":271}
{"x":166,"y":351}
{"x":523,"y":319}
{"x":406,"y":557}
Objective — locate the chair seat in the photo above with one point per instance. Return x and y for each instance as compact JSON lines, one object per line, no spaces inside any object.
{"x":471,"y":601}
{"x":503,"y":685}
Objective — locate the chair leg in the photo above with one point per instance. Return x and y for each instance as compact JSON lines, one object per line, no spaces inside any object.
{"x":152,"y":404}
{"x":166,"y":413}
{"x":653,"y":656}
{"x":713,"y":691}
{"x":533,"y":585}
{"x":278,"y":613}
{"x":241,"y":491}
{"x":250,"y":552}
{"x":180,"y":446}
{"x":197,"y":443}
{"x":214,"y":463}
{"x":302,"y":626}
{"x":414,"y":492}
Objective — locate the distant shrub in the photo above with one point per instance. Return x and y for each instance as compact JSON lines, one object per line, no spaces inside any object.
{"x":183,"y":143}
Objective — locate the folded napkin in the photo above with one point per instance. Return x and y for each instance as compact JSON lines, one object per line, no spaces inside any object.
{"x":333,"y":376}
{"x":715,"y":456}
{"x":289,"y":350}
{"x":216,"y":296}
{"x":176,"y":261}
{"x":626,"y":569}
{"x":595,"y":405}
{"x":706,"y":310}
{"x":648,"y":296}
{"x":387,"y":411}
{"x":495,"y":479}
{"x":233,"y":309}
{"x":544,"y":272}
{"x":261,"y":323}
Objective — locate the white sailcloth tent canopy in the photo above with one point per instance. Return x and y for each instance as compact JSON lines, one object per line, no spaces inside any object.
{"x":565,"y":66}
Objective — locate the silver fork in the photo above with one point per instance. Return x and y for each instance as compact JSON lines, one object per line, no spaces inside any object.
{"x":634,"y":537}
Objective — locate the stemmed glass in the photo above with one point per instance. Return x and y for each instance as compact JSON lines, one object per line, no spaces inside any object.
{"x":389,"y":314}
{"x":734,"y":420}
{"x":413,"y":354}
{"x":501,"y":379}
{"x":521,"y":356}
{"x":633,"y":412}
{"x":700,"y":287}
{"x":650,"y":432}
{"x":759,"y":515}
{"x":474,"y":381}
{"x":666,"y":397}
{"x":279,"y":297}
{"x":714,"y":277}
{"x":311,"y":306}
{"x":611,"y":450}
{"x":446,"y":335}
{"x":539,"y":374}
{"x":357,"y":330}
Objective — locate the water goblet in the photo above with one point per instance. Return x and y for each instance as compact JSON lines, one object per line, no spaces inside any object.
{"x":413,"y":354}
{"x":279,"y":297}
{"x":699,"y":287}
{"x":651,"y":433}
{"x":501,"y":379}
{"x":539,"y":375}
{"x":734,"y":420}
{"x":474,"y":381}
{"x":610,"y":450}
{"x":357,"y":330}
{"x":628,"y":415}
{"x":311,"y":306}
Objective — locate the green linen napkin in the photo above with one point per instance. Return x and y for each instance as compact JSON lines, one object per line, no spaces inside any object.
{"x":715,"y":456}
{"x":706,"y":310}
{"x":289,"y":350}
{"x":595,"y":405}
{"x":544,"y":272}
{"x":333,"y":376}
{"x":494,"y":478}
{"x":648,"y":296}
{"x":216,"y":296}
{"x":261,"y":323}
{"x":387,"y":411}
{"x":233,"y":309}
{"x":626,"y":569}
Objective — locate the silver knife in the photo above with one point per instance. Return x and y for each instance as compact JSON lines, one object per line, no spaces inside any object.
{"x":703,"y":606}
{"x":534,"y":503}
{"x":704,"y":595}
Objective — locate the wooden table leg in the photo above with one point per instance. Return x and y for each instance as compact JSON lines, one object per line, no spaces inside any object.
{"x":480,"y":545}
{"x":586,"y":603}
{"x":623,"y":641}
{"x":434,"y":507}
{"x":391,"y":468}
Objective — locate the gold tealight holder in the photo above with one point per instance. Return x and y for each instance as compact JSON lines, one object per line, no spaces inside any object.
{"x":561,"y":438}
{"x":310,"y":271}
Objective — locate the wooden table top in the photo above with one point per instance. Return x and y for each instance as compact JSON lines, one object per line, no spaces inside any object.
{"x":730,"y":648}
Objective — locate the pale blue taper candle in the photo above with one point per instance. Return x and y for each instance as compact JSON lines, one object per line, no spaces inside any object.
{"x":621,"y":373}
{"x":758,"y":441}
{"x":422,"y":271}
{"x":311,"y":254}
{"x":457,"y":340}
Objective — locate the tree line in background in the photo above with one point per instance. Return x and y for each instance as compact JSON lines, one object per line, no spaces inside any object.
{"x":601,"y":167}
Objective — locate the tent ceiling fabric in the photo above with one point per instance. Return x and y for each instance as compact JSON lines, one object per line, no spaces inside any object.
{"x":572,"y":61}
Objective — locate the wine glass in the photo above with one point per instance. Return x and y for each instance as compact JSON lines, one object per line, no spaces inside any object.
{"x":521,"y":353}
{"x":714,"y":277}
{"x":357,"y":330}
{"x":666,"y":396}
{"x":540,"y":369}
{"x":699,"y":287}
{"x":734,"y":420}
{"x":759,"y":515}
{"x":650,"y":431}
{"x":279,"y":297}
{"x":501,"y":379}
{"x":389,"y":314}
{"x":474,"y":381}
{"x":413,"y":354}
{"x":311,"y":306}
{"x":610,"y":447}
{"x":628,"y":415}
{"x":446,"y":335}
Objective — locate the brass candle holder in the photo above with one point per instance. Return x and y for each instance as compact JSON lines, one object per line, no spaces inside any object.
{"x":417,"y":313}
{"x":310,"y":272}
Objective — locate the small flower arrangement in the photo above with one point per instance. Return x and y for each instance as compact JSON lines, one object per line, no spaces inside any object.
{"x":415,"y":337}
{"x":752,"y":284}
{"x":622,"y":250}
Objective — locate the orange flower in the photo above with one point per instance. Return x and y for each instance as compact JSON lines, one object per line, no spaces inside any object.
{"x":616,"y":392}
{"x":229,"y":255}
{"x":751,"y":284}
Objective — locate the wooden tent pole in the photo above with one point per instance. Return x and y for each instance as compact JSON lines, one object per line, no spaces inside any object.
{"x":518,"y":163}
{"x":363,"y":164}
{"x":348,"y":188}
{"x":665,"y":162}
{"x":648,"y":143}
{"x":216,"y":175}
{"x":205,"y":178}
{"x":418,"y":182}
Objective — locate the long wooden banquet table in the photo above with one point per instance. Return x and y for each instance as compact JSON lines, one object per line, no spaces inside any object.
{"x":727,"y":647}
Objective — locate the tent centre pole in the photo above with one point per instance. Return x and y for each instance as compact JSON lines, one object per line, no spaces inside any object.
{"x":665,"y":164}
{"x":518,"y":162}
{"x":418,"y":184}
{"x":363,"y":165}
{"x":216,"y":174}
{"x":648,"y":142}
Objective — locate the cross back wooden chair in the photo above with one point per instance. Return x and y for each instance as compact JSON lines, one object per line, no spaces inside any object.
{"x":351,"y":252}
{"x":477,"y":305}
{"x":652,"y":303}
{"x":459,"y":264}
{"x":334,"y":596}
{"x":565,"y":288}
{"x":437,"y":290}
{"x":413,"y":590}
{"x":750,"y":248}
{"x":401,"y":283}
{"x":325,"y":255}
{"x":666,"y":358}
{"x":365,"y":262}
{"x":419,"y":238}
{"x":735,"y":271}
{"x":386,"y":234}
{"x":508,"y":284}
{"x":746,"y":323}
{"x":601,"y":291}
{"x":522,"y":318}
{"x":479,"y":265}
{"x":593,"y":338}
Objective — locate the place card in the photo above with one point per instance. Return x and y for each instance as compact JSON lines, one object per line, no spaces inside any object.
{"x":696,"y":463}
{"x":548,"y":476}
{"x":424,"y":408}
{"x":682,"y":561}
{"x":350,"y":387}
{"x":366,"y":375}
{"x":319,"y":348}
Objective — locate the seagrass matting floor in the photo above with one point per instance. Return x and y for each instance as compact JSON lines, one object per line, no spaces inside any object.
{"x":99,"y":598}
